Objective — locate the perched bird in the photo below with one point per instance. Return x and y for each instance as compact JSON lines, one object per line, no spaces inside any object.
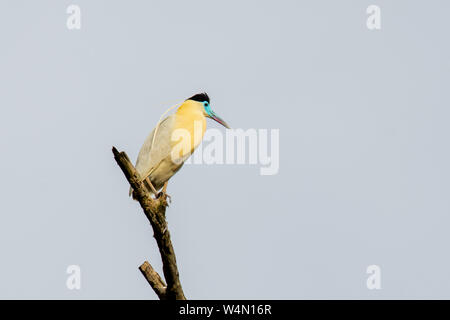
{"x":176,"y":138}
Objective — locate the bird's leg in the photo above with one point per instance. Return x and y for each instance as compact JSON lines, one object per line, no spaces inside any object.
{"x":163,"y":192}
{"x":147,"y":180}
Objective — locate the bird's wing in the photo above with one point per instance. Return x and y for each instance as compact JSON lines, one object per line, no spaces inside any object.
{"x":150,"y":155}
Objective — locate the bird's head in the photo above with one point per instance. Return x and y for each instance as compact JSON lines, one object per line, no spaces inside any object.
{"x":207,"y":111}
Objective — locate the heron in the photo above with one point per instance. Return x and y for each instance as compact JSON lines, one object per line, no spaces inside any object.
{"x":172,"y":142}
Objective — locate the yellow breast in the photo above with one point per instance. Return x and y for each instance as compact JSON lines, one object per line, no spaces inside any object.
{"x":189,"y":128}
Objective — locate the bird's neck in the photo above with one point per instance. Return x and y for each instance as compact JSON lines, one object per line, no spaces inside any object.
{"x":190,"y":117}
{"x":190,"y":107}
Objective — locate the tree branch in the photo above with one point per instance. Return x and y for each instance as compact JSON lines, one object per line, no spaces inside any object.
{"x":154,"y":279}
{"x":154,"y":210}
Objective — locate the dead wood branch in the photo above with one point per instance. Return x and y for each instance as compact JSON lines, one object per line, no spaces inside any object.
{"x":154,"y":279}
{"x":154,"y":210}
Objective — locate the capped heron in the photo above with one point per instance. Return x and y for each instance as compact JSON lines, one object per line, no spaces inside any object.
{"x":163,"y":154}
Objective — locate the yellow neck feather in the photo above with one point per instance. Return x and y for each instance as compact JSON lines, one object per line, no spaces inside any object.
{"x":190,"y":117}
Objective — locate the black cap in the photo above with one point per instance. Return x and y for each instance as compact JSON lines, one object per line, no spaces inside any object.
{"x":200,"y":97}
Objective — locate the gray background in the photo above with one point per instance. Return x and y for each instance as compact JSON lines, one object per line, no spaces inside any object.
{"x":364,"y":160}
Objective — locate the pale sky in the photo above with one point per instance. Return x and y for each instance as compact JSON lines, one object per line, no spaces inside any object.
{"x":363,"y":147}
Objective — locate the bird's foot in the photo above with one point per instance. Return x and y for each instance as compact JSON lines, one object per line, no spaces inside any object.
{"x":165,"y":196}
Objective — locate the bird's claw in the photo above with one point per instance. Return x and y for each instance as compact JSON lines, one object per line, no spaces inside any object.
{"x":165,"y":196}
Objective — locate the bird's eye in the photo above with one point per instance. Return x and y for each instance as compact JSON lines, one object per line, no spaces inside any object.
{"x":206,"y":104}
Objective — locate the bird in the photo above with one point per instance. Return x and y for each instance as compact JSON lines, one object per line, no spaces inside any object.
{"x":172,"y":141}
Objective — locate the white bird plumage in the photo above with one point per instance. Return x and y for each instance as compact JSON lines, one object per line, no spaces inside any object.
{"x":154,"y":161}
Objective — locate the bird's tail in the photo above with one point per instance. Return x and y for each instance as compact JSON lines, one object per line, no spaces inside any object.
{"x":131,"y":193}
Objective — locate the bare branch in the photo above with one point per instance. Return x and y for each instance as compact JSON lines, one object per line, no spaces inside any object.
{"x":154,"y":210}
{"x":154,"y":279}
